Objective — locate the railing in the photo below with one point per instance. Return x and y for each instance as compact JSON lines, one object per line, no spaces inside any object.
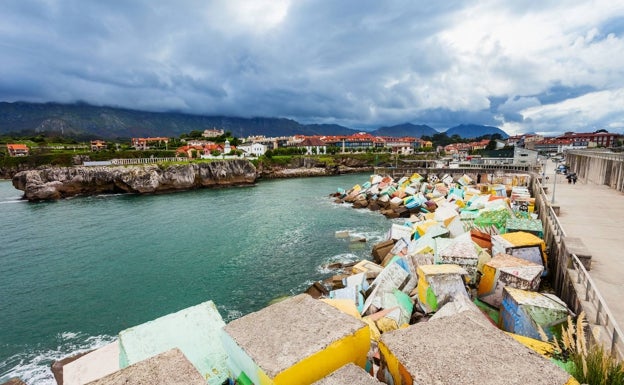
{"x":472,"y":169}
{"x":572,"y":281}
{"x":146,"y":160}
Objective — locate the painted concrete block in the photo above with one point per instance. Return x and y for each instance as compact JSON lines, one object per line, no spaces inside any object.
{"x":522,"y":245}
{"x":194,"y":330}
{"x":349,"y":374}
{"x":296,"y":341}
{"x":529,"y":225}
{"x":92,"y":366}
{"x":371,"y":269}
{"x":400,"y":231}
{"x":458,"y":251}
{"x":168,"y":368}
{"x":523,"y":311}
{"x":506,"y":270}
{"x":492,"y":221}
{"x":439,"y":284}
{"x":462,"y":349}
{"x":392,"y":277}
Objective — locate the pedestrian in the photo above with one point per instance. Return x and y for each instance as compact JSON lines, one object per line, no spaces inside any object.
{"x":478,"y":178}
{"x":574,"y":178}
{"x":569,"y":178}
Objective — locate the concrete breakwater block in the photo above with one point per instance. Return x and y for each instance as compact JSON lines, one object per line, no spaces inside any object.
{"x":506,"y":270}
{"x":458,"y":251}
{"x":194,"y":330}
{"x":462,"y":349}
{"x":349,"y":374}
{"x":92,"y":366}
{"x":524,"y":312}
{"x":522,"y":245}
{"x":168,"y":368}
{"x":297,"y":341}
{"x":439,"y":284}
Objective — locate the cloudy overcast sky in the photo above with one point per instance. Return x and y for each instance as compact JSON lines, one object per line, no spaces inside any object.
{"x":525,"y":66}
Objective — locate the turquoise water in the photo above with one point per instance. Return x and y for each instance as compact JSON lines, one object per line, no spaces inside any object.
{"x":73,"y":273}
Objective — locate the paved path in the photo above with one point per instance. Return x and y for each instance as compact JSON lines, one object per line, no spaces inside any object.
{"x":595,"y":214}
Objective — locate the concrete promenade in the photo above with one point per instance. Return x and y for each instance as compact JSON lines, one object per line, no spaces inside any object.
{"x":595,"y":214}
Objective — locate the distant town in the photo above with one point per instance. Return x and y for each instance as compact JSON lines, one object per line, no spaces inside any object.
{"x":215,"y":143}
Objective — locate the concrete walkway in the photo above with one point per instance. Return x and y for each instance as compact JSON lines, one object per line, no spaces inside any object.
{"x":595,"y":214}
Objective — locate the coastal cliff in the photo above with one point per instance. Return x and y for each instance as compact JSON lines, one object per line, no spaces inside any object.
{"x":61,"y":182}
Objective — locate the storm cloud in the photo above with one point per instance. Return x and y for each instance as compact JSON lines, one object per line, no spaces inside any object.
{"x":544,"y":67}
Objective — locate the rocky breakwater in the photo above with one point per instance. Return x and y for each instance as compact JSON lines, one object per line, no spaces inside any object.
{"x":61,"y":182}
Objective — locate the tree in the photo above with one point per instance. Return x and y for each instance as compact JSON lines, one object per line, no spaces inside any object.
{"x":491,"y":145}
{"x":195,"y":134}
{"x":215,"y":152}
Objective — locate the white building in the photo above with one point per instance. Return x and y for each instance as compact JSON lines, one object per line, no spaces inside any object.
{"x":525,"y":156}
{"x":253,"y":149}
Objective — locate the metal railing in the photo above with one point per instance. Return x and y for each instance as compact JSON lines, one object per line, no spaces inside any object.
{"x":404,"y":170}
{"x":147,"y":160}
{"x":572,"y":281}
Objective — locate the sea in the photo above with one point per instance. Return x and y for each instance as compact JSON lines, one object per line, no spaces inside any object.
{"x":76,"y":272}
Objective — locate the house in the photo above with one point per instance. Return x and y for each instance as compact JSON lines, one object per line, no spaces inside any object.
{"x":602,"y":138}
{"x":97,"y":145}
{"x":313,"y":145}
{"x":188,"y":151}
{"x":144,"y":143}
{"x":253,"y":149}
{"x":212,"y":133}
{"x":525,"y":156}
{"x":554,"y":145}
{"x":17,"y":149}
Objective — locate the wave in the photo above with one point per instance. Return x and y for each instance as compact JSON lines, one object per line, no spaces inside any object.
{"x":13,"y":200}
{"x":344,"y":258}
{"x":229,"y":314}
{"x":33,"y":365}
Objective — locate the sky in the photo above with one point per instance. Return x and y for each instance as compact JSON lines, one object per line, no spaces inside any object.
{"x":543,"y":67}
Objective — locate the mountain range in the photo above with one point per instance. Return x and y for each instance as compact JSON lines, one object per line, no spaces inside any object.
{"x":86,"y":121}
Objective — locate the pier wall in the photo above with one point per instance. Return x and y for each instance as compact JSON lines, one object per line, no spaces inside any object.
{"x":597,"y":167}
{"x":572,"y":282}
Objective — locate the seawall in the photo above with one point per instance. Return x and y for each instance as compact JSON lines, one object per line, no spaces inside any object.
{"x":61,"y":182}
{"x":598,"y":167}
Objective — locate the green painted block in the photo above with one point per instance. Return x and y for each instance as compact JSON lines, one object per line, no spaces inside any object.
{"x":194,"y":330}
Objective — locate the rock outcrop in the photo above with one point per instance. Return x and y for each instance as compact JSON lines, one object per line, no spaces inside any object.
{"x":60,"y":182}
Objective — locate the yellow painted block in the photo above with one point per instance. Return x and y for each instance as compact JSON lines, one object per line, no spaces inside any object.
{"x":423,"y":226}
{"x":346,"y":306}
{"x":425,"y":293}
{"x":546,"y":349}
{"x":351,"y":348}
{"x":375,"y":334}
{"x":396,"y":370}
{"x":429,"y":216}
{"x":415,"y":177}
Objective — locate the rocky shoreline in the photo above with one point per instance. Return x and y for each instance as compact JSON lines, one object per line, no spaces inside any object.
{"x":62,"y":182}
{"x":51,"y":183}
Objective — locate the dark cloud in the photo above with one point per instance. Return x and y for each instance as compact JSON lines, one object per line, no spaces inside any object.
{"x":358,"y":63}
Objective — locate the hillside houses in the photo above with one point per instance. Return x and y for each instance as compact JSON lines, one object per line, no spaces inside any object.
{"x":567,"y":141}
{"x":17,"y":149}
